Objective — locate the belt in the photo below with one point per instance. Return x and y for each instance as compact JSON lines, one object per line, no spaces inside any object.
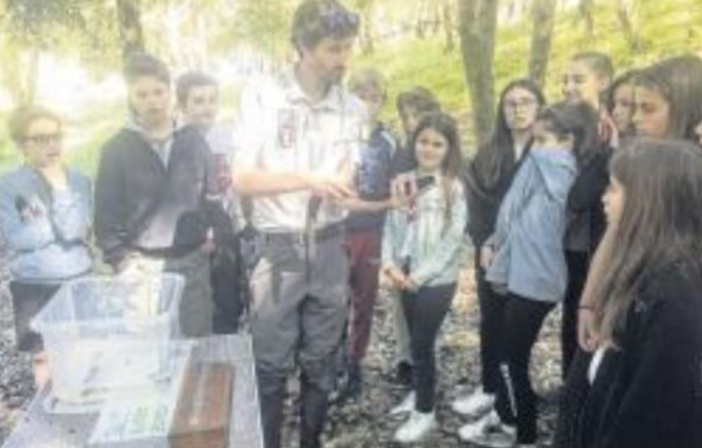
{"x":167,"y":252}
{"x":302,"y":237}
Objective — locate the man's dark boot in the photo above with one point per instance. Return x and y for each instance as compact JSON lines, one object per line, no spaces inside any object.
{"x":353,"y":386}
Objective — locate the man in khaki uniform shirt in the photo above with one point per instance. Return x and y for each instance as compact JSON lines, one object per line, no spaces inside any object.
{"x":299,"y":135}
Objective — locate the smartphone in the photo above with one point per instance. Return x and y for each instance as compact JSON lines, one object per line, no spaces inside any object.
{"x":408,"y":186}
{"x":424,"y":182}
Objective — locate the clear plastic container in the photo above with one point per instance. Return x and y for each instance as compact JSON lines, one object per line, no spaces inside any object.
{"x":107,"y":333}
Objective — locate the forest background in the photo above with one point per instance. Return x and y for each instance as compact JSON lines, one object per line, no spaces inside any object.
{"x":67,"y":54}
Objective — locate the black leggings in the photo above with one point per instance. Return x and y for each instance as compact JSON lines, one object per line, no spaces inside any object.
{"x":578,"y":263}
{"x":516,"y":400}
{"x":425,"y":310}
{"x":27,"y":300}
{"x":491,"y":307}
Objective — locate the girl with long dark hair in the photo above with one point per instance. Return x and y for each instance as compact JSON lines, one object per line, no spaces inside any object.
{"x":587,"y":78}
{"x":489,"y":176}
{"x":668,"y":98}
{"x":525,"y":264}
{"x":642,"y":386}
{"x":420,"y":256}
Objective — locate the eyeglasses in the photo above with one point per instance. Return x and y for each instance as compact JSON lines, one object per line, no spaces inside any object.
{"x":513,"y":106}
{"x":43,"y":139}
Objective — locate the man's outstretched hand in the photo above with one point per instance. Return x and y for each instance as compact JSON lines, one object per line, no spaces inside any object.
{"x":331,"y":187}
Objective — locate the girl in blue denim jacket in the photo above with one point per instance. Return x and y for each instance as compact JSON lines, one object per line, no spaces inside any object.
{"x":420,"y":256}
{"x":45,"y":211}
{"x":525,"y":261}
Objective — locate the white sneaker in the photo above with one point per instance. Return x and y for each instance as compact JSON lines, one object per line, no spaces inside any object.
{"x":416,"y":428}
{"x":405,"y":407}
{"x":489,"y":431}
{"x":475,"y":404}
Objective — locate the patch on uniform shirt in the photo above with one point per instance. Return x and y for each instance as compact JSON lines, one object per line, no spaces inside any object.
{"x":287,"y":128}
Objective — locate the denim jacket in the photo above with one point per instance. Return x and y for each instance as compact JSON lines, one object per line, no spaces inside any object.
{"x":528,"y":239}
{"x":423,"y":241}
{"x":46,"y":232}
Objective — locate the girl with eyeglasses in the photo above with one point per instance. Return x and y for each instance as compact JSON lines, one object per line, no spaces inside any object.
{"x":490,"y":174}
{"x":45,"y":212}
{"x":526,"y":267}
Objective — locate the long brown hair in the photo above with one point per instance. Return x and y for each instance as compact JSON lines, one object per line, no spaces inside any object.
{"x":496,"y":159}
{"x":578,"y":120}
{"x":678,"y":81}
{"x":660,"y":223}
{"x":452,"y":166}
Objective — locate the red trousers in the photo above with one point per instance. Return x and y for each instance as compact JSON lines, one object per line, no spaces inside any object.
{"x":364,"y":253}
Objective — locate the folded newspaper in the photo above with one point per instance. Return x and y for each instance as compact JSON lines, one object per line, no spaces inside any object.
{"x":144,"y":415}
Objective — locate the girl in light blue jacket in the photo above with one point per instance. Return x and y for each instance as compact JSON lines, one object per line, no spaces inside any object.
{"x":45,"y":211}
{"x":420,"y":256}
{"x":525,"y":262}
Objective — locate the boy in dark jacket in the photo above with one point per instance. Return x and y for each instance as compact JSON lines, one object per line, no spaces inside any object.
{"x":151,"y":194}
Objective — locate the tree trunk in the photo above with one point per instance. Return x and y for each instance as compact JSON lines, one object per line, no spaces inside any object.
{"x":435,"y":16}
{"x":478,"y":25}
{"x":447,"y":15}
{"x":203,"y":49}
{"x":511,"y":10}
{"x":626,"y":16}
{"x":130,"y":31}
{"x":21,"y":82}
{"x":32,"y":75}
{"x":544,"y":13}
{"x":585,"y":10}
{"x":367,"y":28}
{"x":178,"y":51}
{"x":421,"y":20}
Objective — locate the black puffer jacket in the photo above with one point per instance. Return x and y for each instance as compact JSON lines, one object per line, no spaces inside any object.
{"x":649,"y":393}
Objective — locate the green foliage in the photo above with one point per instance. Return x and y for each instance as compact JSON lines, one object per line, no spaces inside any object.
{"x":87,"y":29}
{"x":666,"y":29}
{"x":29,"y":20}
{"x":419,"y":62}
{"x":86,"y":156}
{"x":84,"y":29}
{"x":264,"y":25}
{"x":96,"y":42}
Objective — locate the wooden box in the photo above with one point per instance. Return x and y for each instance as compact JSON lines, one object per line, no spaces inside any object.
{"x":202,"y":414}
